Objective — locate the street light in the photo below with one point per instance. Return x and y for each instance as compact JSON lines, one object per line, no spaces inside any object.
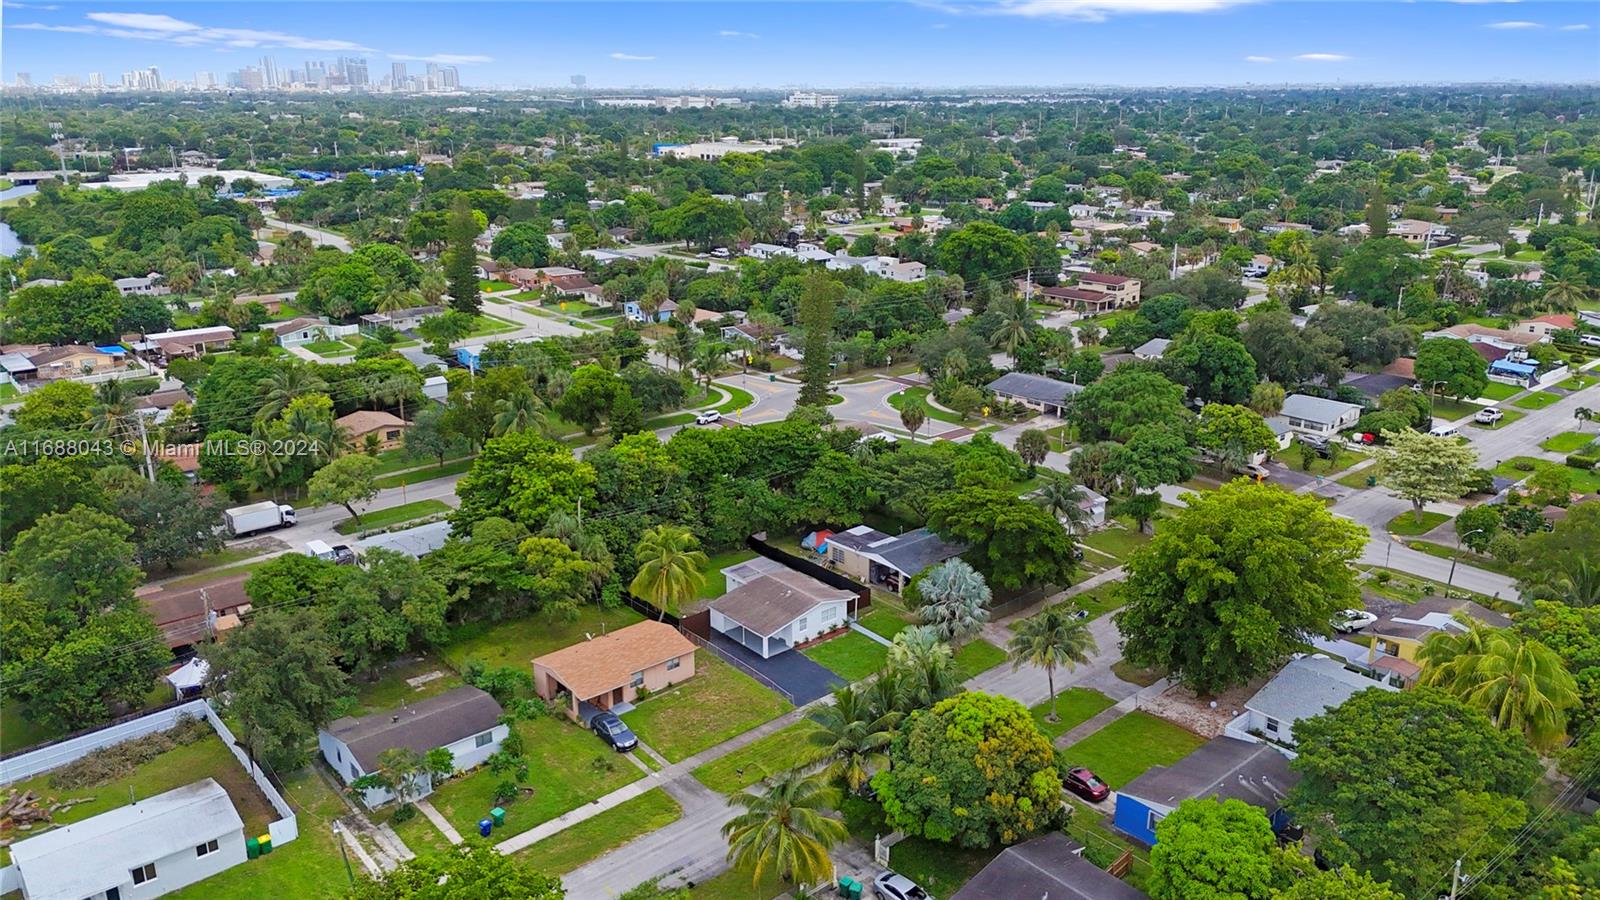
{"x":1456,"y":556}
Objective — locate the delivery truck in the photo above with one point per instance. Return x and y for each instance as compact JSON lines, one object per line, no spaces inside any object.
{"x":263,"y":516}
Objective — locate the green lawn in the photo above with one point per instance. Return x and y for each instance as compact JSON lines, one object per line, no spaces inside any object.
{"x":1115,"y":541}
{"x":1452,"y":408}
{"x":592,"y":838}
{"x":1074,"y":706}
{"x":567,"y":765}
{"x":1499,"y":391}
{"x":387,"y":688}
{"x":428,"y":472}
{"x":1132,"y":674}
{"x":1123,"y":750}
{"x":1538,"y":400}
{"x":1103,"y":844}
{"x":1578,"y":382}
{"x":1467,"y":557}
{"x":852,"y":656}
{"x":1586,"y":481}
{"x":1358,"y":478}
{"x":738,"y":885}
{"x":390,"y":461}
{"x":885,"y":622}
{"x":1321,"y":465}
{"x":716,"y":704}
{"x":329,"y":348}
{"x":978,"y":656}
{"x":8,"y":391}
{"x":1406,"y":524}
{"x":516,"y":643}
{"x":493,"y":286}
{"x":716,"y":583}
{"x":1567,"y":442}
{"x":777,"y":752}
{"x":898,"y":401}
{"x":738,"y":398}
{"x":1097,"y":601}
{"x":393,"y":515}
{"x":940,"y":868}
{"x":1507,"y":416}
{"x":486,"y":325}
{"x":308,"y":867}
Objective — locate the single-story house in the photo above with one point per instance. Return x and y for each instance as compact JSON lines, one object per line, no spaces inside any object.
{"x":17,"y":367}
{"x":578,"y":286}
{"x":190,"y":342}
{"x":162,"y":401}
{"x":400,"y":319}
{"x":634,"y":312}
{"x":470,"y":357}
{"x":1376,"y":384}
{"x":909,"y":271}
{"x":1306,"y":687}
{"x":1543,"y":326}
{"x":73,"y":360}
{"x":872,"y":557}
{"x":1473,"y":333}
{"x":142,"y":286}
{"x":149,"y":848}
{"x":302,"y":330}
{"x":422,"y":359}
{"x":744,"y":331}
{"x":524,"y":278}
{"x":414,"y":542}
{"x":1520,"y":373}
{"x":1051,"y":865}
{"x":1225,"y":768}
{"x":1397,"y":637}
{"x":1152,"y":349}
{"x":465,"y":721}
{"x":389,"y":427}
{"x":1078,"y":298}
{"x":768,"y":251}
{"x":1046,"y":395}
{"x":703,"y":316}
{"x":771,"y":608}
{"x":608,"y":670}
{"x":1318,"y":417}
{"x":272,"y":303}
{"x":184,"y":614}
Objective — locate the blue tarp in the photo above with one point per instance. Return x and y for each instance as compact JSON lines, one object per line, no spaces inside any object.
{"x":1513,"y":368}
{"x":113,"y":349}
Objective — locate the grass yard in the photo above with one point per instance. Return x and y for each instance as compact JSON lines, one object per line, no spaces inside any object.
{"x":716,"y":704}
{"x":941,"y":415}
{"x":1117,"y":542}
{"x":516,"y":643}
{"x":1452,"y":408}
{"x":592,"y":838}
{"x":738,"y":398}
{"x":737,"y":885}
{"x":1074,"y":706}
{"x":777,"y":752}
{"x":495,"y":286}
{"x":1587,"y":482}
{"x":1406,"y":524}
{"x":717,"y":583}
{"x":1102,"y":844}
{"x":1358,"y":478}
{"x":398,"y":460}
{"x":208,"y":575}
{"x":393,"y":515}
{"x":329,"y":348}
{"x":978,"y":656}
{"x":1466,"y":556}
{"x":567,"y":765}
{"x":1578,"y":382}
{"x":1507,"y":416}
{"x":389,"y":689}
{"x":1321,"y":465}
{"x":486,"y":325}
{"x":1498,"y":391}
{"x":1125,"y":749}
{"x":1132,"y":674}
{"x":1567,"y":442}
{"x":1408,"y":588}
{"x":208,"y":561}
{"x":1099,"y":600}
{"x":852,"y":656}
{"x":1538,"y":400}
{"x":426,"y":473}
{"x":885,"y":622}
{"x":8,"y":391}
{"x":940,"y":868}
{"x":308,"y":867}
{"x":17,"y":732}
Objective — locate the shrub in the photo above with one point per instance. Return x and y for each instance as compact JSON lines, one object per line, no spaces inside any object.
{"x":1583,"y":461}
{"x":405,"y":812}
{"x":118,"y":760}
{"x":1384,"y":577}
{"x":1524,"y":465}
{"x":1480,"y":481}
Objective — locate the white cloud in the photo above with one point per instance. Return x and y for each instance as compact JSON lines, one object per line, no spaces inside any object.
{"x":629,"y":57}
{"x":445,"y":59}
{"x":1259,"y":59}
{"x":1322,"y":57}
{"x":1579,"y":27}
{"x":71,"y":29}
{"x":164,"y":28}
{"x":1514,"y":25}
{"x":143,"y":21}
{"x":1082,"y":10}
{"x":11,"y":4}
{"x":727,"y":33}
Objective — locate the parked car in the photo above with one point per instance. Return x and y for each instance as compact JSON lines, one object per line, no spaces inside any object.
{"x":1445,"y":430}
{"x":343,"y":555}
{"x":1346,"y":621}
{"x":721,"y":252}
{"x":1364,"y":437}
{"x":709,"y":417}
{"x":610,"y":729}
{"x":1489,"y":416}
{"x":1087,"y":785}
{"x":894,"y":886}
{"x":1315,"y":442}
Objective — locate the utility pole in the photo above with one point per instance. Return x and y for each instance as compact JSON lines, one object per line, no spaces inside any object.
{"x":144,"y":442}
{"x":1455,"y":881}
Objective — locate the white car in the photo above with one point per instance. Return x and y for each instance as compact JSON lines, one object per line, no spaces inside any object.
{"x":709,"y":417}
{"x":1489,"y":416}
{"x":721,"y":253}
{"x":1350,"y":620}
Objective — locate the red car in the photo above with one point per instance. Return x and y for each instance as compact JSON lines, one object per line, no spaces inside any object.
{"x":1087,"y":785}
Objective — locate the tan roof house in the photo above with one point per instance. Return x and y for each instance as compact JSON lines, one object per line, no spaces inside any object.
{"x":389,"y":427}
{"x":609,"y":670}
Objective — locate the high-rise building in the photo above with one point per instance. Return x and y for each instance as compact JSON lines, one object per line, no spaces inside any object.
{"x":316,"y":74}
{"x":155,"y":78}
{"x":24,"y":79}
{"x":269,"y":72}
{"x":355,"y":72}
{"x":97,"y":81}
{"x":250,"y":79}
{"x":449,"y":78}
{"x":397,"y":76}
{"x":204,"y":81}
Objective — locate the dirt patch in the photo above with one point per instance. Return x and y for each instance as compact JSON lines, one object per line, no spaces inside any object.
{"x":1203,"y":716}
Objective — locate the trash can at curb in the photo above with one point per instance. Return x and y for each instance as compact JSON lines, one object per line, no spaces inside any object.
{"x":499,"y":817}
{"x":485,"y":826}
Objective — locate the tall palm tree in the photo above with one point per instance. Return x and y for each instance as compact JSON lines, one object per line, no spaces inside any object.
{"x":1573,"y":580}
{"x":1583,"y":414}
{"x":1520,"y":683}
{"x":1053,"y":638}
{"x":1062,"y":499}
{"x":521,"y":411}
{"x":670,"y":567}
{"x":886,"y":693}
{"x":396,"y":296}
{"x":1013,"y":330}
{"x":785,"y":830}
{"x":1565,"y":294}
{"x":913,"y":415}
{"x":925,"y":666}
{"x":855,"y":736}
{"x":709,"y":358}
{"x":285,"y":385}
{"x":1302,"y":270}
{"x":112,"y":413}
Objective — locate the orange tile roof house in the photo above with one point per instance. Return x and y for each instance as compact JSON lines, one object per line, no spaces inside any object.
{"x":609,"y":670}
{"x":389,"y":427}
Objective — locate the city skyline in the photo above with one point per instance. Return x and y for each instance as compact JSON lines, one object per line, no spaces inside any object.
{"x":711,"y":45}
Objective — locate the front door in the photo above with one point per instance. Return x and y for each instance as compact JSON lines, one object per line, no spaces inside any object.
{"x":616,"y":696}
{"x":114,"y":893}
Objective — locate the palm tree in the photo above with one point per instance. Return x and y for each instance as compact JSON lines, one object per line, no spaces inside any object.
{"x":1303,"y":271}
{"x":521,"y":411}
{"x":1574,"y":581}
{"x":1054,"y":637}
{"x":433,"y":286}
{"x":955,"y":600}
{"x":1565,"y":294}
{"x":396,"y":296}
{"x":709,"y":358}
{"x":854,"y":735}
{"x":925,"y":666}
{"x":1013,"y":330}
{"x":913,"y":415}
{"x":285,"y":385}
{"x":785,"y":829}
{"x":112,"y":413}
{"x":1520,"y":683}
{"x":1061,"y":498}
{"x":1583,"y":414}
{"x":670,"y":567}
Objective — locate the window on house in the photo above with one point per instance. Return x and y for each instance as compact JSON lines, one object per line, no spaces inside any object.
{"x":208,"y":847}
{"x":1153,"y":820}
{"x":638,"y":679}
{"x":354,"y":772}
{"x":391,"y":435}
{"x":146,"y":872}
{"x":1272,"y":725}
{"x":673,"y":663}
{"x":483,"y":740}
{"x":801,"y":624}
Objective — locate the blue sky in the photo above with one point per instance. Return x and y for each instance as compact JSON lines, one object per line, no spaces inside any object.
{"x":835,"y":44}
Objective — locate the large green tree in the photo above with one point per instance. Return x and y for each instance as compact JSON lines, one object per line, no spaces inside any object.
{"x":1208,"y":850}
{"x":1128,"y":397}
{"x":982,"y":250}
{"x":1450,"y":366}
{"x":973,"y":770}
{"x":1235,"y":583}
{"x":1425,"y":469}
{"x":523,"y":477}
{"x":1232,"y":434}
{"x":1010,"y":540}
{"x":670,"y":563}
{"x":461,"y":256}
{"x":1215,"y":367}
{"x":785,"y":829}
{"x":348,"y":480}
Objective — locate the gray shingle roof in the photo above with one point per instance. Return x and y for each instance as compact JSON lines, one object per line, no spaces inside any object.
{"x":439,"y":720}
{"x":1034,"y":387}
{"x":773,"y":600}
{"x":917,"y":550}
{"x":1047,"y":866}
{"x":1309,"y":686}
{"x":1225,"y":768}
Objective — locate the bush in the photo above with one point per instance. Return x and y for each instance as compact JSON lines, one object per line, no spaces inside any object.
{"x":1524,"y":465}
{"x":141,"y":387}
{"x":1480,"y":481}
{"x":118,"y":760}
{"x":405,"y":812}
{"x":1584,"y":461}
{"x":1384,"y":577}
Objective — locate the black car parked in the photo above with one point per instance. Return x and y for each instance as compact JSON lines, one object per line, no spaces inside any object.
{"x":612,"y":731}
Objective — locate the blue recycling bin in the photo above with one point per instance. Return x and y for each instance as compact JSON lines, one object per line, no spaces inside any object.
{"x":485,"y":826}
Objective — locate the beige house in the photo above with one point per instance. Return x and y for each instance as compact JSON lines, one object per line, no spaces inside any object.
{"x":1120,"y":288}
{"x":389,"y":428}
{"x":610,"y":669}
{"x":74,"y":360}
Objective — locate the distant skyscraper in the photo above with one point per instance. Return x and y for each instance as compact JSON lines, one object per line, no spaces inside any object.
{"x":24,"y":79}
{"x":397,"y":76}
{"x":316,"y":74}
{"x":250,"y":79}
{"x":97,"y":80}
{"x":269,"y":72}
{"x":355,"y":72}
{"x":449,"y":78}
{"x":155,"y":79}
{"x":204,"y":80}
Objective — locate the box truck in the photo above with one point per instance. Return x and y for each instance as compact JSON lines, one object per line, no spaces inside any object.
{"x":263,"y":516}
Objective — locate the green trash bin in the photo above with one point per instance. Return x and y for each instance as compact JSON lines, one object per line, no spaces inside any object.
{"x":252,"y":848}
{"x":845,"y":883}
{"x":772,"y":378}
{"x":855,"y":890}
{"x":1372,"y":480}
{"x":499,"y":817}
{"x":266,"y":844}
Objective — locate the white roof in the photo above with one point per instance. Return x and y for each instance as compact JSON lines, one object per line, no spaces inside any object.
{"x":413,"y":542}
{"x":89,"y":857}
{"x":1316,"y":409}
{"x":1309,"y":686}
{"x":191,"y":674}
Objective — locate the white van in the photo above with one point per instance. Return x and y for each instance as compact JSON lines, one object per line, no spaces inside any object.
{"x":1445,"y":430}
